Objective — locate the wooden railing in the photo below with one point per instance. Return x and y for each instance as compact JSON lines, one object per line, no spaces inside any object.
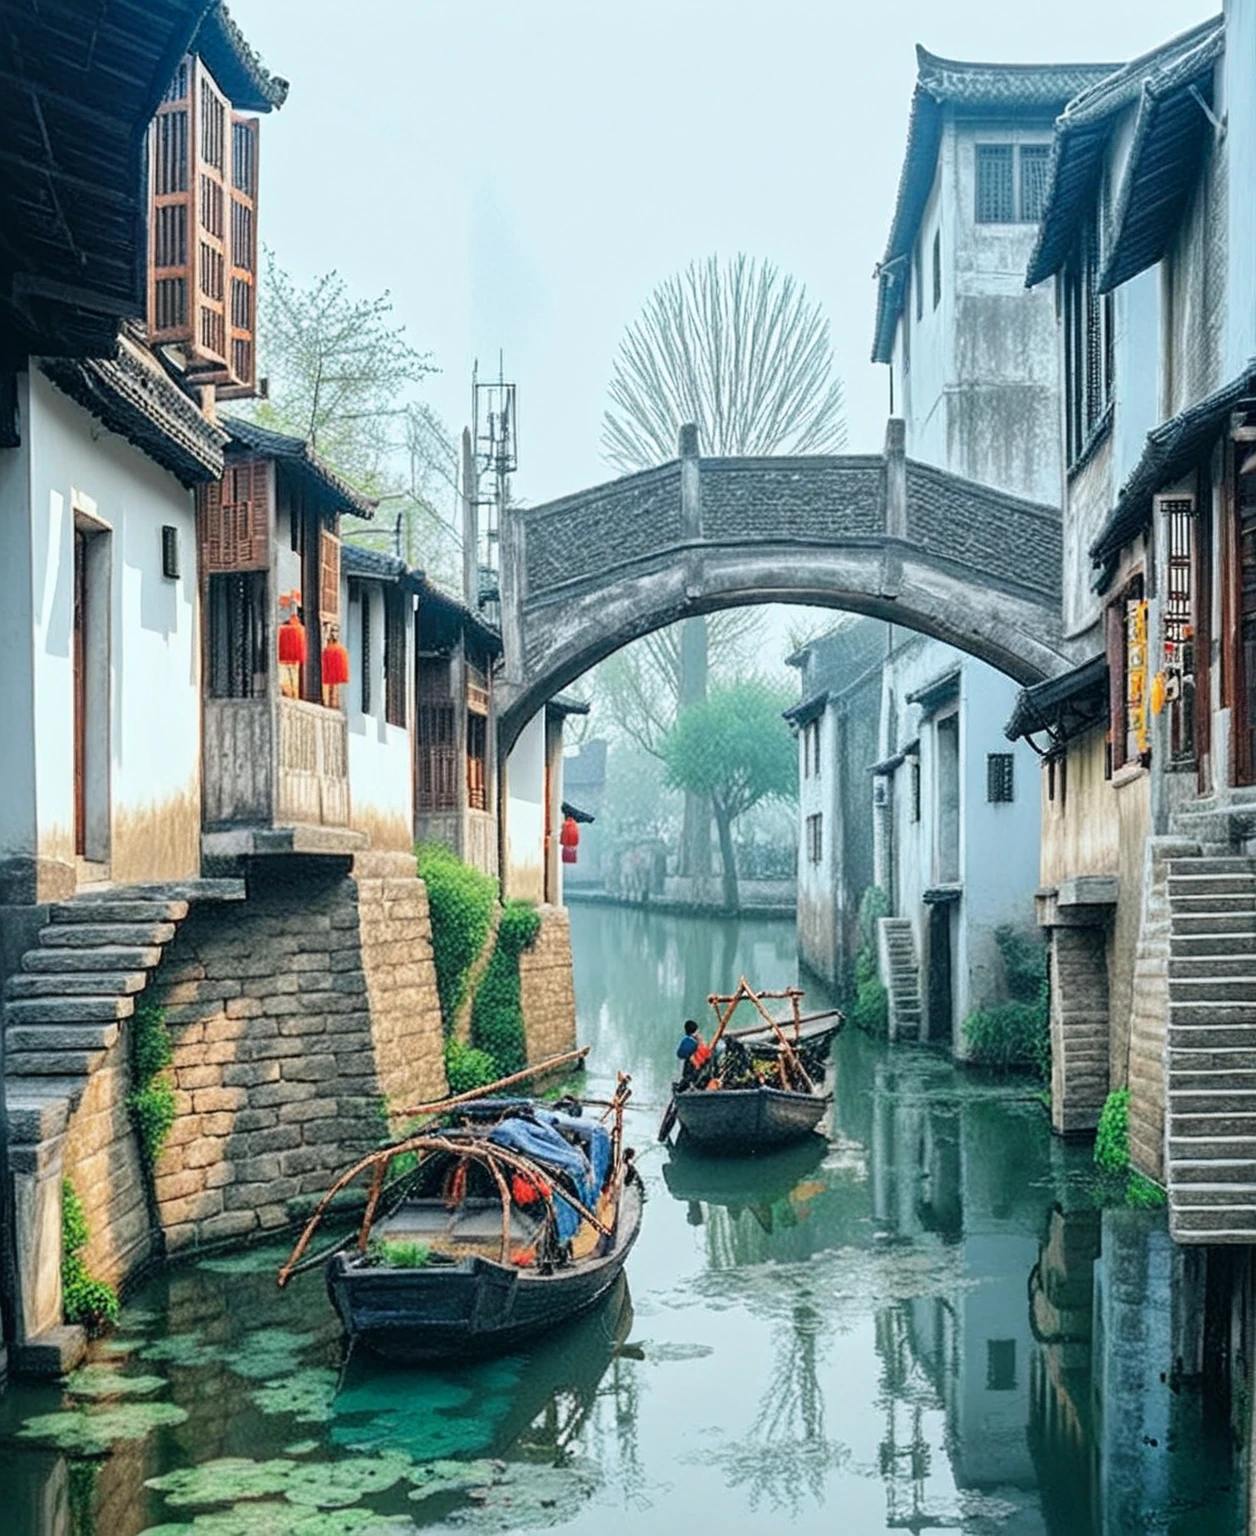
{"x":275,"y":765}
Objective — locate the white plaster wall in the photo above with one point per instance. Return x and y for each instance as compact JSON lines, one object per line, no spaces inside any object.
{"x":17,"y":676}
{"x":525,"y":812}
{"x":154,"y":675}
{"x":1239,"y":102}
{"x":380,"y":774}
{"x":925,"y":355}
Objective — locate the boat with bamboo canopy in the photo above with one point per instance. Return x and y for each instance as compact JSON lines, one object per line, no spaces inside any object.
{"x":492,"y":1219}
{"x":758,"y":1087}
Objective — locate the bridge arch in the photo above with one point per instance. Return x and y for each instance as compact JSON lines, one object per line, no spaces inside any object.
{"x":877,"y":534}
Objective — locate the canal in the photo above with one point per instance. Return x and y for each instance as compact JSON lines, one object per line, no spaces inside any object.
{"x":937,"y":1319}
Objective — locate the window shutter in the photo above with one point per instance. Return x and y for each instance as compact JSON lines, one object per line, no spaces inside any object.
{"x":999,"y":780}
{"x":170,"y":211}
{"x":243,"y":246}
{"x":233,"y":519}
{"x":1116,"y":682}
{"x":329,"y":577}
{"x":209,"y":255}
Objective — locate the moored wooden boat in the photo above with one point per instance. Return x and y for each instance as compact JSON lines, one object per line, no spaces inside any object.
{"x":517,"y":1216}
{"x":765,"y":1088}
{"x":738,"y":1120}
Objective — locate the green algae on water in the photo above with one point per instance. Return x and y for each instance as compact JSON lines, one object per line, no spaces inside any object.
{"x":251,"y":1261}
{"x":182,"y":1349}
{"x":285,"y":1520}
{"x":91,"y":1431}
{"x":334,"y":1484}
{"x":268,"y":1352}
{"x":225,"y":1480}
{"x":306,"y":1394}
{"x":104,"y":1380}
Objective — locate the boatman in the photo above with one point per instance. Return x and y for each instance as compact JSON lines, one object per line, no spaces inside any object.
{"x":692,"y":1051}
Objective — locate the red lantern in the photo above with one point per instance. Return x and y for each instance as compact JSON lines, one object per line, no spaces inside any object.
{"x":569,"y":837}
{"x":335,"y":664}
{"x":292,"y":642}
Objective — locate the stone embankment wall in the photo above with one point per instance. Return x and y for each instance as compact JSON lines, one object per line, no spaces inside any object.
{"x":547,"y":991}
{"x":296,"y":1018}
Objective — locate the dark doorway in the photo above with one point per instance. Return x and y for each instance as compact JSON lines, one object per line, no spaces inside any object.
{"x":80,"y":693}
{"x":941,"y":1013}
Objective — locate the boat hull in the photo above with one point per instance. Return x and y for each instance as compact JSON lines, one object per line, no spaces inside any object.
{"x":740,"y":1120}
{"x":477,"y":1307}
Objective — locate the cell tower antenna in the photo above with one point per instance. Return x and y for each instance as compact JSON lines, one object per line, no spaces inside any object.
{"x":494,"y":441}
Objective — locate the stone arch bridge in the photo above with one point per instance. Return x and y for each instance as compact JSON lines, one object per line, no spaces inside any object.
{"x":878,"y":534}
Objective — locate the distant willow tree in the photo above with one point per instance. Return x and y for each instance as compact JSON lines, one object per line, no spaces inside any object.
{"x":737,"y":348}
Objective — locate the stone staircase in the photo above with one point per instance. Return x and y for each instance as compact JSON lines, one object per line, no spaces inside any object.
{"x":900,"y":970}
{"x":1211,"y":1055}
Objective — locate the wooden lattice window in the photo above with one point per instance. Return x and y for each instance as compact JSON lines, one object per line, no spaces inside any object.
{"x":395,"y":673}
{"x":238,"y":650}
{"x":365,"y":662}
{"x":1035,"y":164}
{"x":233,"y":519}
{"x":913,"y":765}
{"x":477,"y":762}
{"x":1000,"y":778}
{"x":1088,"y":341}
{"x":1178,"y":513}
{"x":995,"y":184}
{"x":328,"y":577}
{"x":203,"y":228}
{"x":436,"y":737}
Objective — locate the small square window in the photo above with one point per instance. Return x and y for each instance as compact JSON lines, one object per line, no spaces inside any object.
{"x":815,"y":839}
{"x":999,"y":780}
{"x":996,"y":203}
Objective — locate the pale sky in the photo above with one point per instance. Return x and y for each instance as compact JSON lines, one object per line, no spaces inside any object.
{"x":522,"y":175}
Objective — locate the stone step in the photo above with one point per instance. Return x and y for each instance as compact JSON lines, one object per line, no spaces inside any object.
{"x":1241,"y":904}
{"x":1209,"y":882}
{"x":120,"y":911}
{"x":1201,"y":1196}
{"x":74,"y":983}
{"x":1216,"y":1125}
{"x":1213,"y":864}
{"x":1208,"y":1080}
{"x":1187,"y":967}
{"x":1213,"y":922}
{"x":92,"y":935}
{"x":68,"y":1010}
{"x":59,"y":1037}
{"x":75,"y":1064}
{"x":1185,"y":945}
{"x":1200,"y":1148}
{"x":1212,"y":989}
{"x":1230,"y":1061}
{"x":1213,"y":1170}
{"x":1217,"y":1036}
{"x":107,"y":957}
{"x":170,"y":890}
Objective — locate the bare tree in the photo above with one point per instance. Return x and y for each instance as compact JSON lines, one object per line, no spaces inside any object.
{"x":738,"y":349}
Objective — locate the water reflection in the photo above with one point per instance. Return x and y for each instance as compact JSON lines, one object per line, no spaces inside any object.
{"x":921,"y":1321}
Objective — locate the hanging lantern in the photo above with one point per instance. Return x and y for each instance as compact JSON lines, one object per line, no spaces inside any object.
{"x":335,"y":664}
{"x":1159,"y":693}
{"x":292,"y":642}
{"x":569,"y":837}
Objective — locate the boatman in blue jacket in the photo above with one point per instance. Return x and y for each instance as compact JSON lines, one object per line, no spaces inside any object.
{"x":692,"y":1051}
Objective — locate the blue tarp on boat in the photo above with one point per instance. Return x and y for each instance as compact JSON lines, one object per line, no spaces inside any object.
{"x":543,"y":1144}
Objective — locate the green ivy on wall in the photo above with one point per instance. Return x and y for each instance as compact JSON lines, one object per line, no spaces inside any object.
{"x":152,"y":1101}
{"x":460,"y":901}
{"x":497,"y":1024}
{"x":84,"y":1300}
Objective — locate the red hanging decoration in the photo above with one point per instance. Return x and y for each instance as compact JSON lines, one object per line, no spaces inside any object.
{"x":569,"y":837}
{"x":335,"y":664}
{"x":569,"y":855}
{"x":292,"y":648}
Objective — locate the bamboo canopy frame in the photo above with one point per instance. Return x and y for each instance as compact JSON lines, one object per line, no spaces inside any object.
{"x":494,"y":1158}
{"x":725,"y":1005}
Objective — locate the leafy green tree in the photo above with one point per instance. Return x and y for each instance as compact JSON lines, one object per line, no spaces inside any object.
{"x":736,"y":750}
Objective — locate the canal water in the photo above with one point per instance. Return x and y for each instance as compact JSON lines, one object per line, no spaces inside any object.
{"x":936,"y":1318}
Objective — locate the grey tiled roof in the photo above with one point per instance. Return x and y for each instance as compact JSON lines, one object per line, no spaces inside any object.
{"x":234,"y":64}
{"x":296,"y":453}
{"x":371,"y":564}
{"x":1038,"y":89}
{"x":1083,"y":130}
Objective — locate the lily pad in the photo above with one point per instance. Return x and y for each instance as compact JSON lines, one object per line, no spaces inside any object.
{"x":523,"y":1495}
{"x":335,"y":1484}
{"x":91,"y":1431}
{"x":307,"y":1394}
{"x":102,"y":1380}
{"x":427,"y":1416}
{"x":268,"y":1353}
{"x":223,"y":1481}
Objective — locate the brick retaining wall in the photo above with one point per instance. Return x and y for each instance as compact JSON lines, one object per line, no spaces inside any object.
{"x":547,"y":988}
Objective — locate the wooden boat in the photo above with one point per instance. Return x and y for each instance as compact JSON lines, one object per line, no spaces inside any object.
{"x":692,"y":1175}
{"x":764,"y":1090}
{"x":518,"y":1215}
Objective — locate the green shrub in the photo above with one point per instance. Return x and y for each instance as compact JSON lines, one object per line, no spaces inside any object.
{"x":497,"y":1025}
{"x":84,"y":1300}
{"x":461,"y":902}
{"x":1024,"y":963}
{"x":1112,"y":1138}
{"x":152,"y":1102}
{"x":874,"y":904}
{"x":1008,"y":1037}
{"x":871,"y":1009}
{"x":1143,"y":1193}
{"x":466,"y":1068}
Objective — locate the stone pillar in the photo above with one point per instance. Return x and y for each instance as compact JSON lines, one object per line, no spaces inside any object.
{"x":1079,"y":1027}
